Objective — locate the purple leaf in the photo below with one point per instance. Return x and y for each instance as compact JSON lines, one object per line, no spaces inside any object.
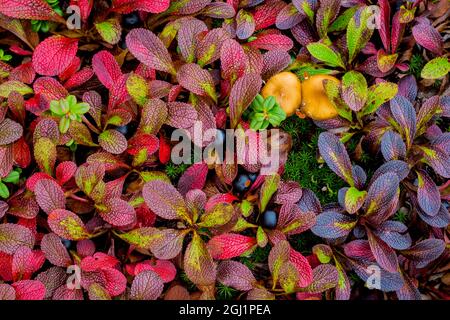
{"x":392,"y":146}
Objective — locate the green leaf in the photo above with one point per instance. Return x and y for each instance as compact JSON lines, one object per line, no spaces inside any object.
{"x":218,"y":216}
{"x":12,"y":177}
{"x":378,"y":94}
{"x":56,"y":108}
{"x":80,"y":108}
{"x":354,"y":90}
{"x":64,"y":124}
{"x":138,"y":89}
{"x":333,"y":93}
{"x":325,"y":54}
{"x":342,"y":21}
{"x":354,"y":199}
{"x":261,"y":237}
{"x":142,"y":237}
{"x":4,"y":192}
{"x":45,"y":154}
{"x":268,"y":189}
{"x":436,"y":68}
{"x":110,"y":30}
{"x":358,"y":33}
{"x":9,"y":86}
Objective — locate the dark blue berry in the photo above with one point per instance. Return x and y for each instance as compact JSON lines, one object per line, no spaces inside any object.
{"x":241,"y":184}
{"x":131,"y":20}
{"x":123,"y":130}
{"x":66,"y":243}
{"x":269,"y":219}
{"x":253,"y":176}
{"x":446,"y":204}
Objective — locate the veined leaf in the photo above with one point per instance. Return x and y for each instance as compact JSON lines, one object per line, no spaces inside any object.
{"x":198,"y":264}
{"x":67,"y":225}
{"x":193,"y":78}
{"x":378,"y":94}
{"x":242,"y":95}
{"x":354,"y":90}
{"x":358,"y":32}
{"x":163,"y":199}
{"x":325,"y":54}
{"x":335,"y":155}
{"x":436,"y":68}
{"x":268,"y":189}
{"x":150,"y":50}
{"x":53,"y":55}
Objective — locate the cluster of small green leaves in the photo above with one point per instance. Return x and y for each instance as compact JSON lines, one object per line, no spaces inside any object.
{"x":265,"y":112}
{"x":68,"y":109}
{"x":13,"y":177}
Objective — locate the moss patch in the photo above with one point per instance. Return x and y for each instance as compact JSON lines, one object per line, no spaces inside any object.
{"x":302,"y":165}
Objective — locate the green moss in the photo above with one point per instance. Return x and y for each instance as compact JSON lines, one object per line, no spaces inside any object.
{"x":226,"y":293}
{"x":174,"y":171}
{"x":302,"y":165}
{"x":304,"y":242}
{"x":189,"y":284}
{"x":259,"y":255}
{"x":416,"y":65}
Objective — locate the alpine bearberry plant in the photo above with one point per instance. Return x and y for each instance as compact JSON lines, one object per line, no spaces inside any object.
{"x":352,"y":96}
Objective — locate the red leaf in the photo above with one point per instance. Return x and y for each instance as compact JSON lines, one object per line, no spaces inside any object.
{"x":98,"y":262}
{"x":29,"y":290}
{"x":79,"y":78}
{"x":54,"y":250}
{"x":233,"y":60}
{"x":65,"y":171}
{"x":164,"y":268}
{"x":14,"y":236}
{"x":50,"y":88}
{"x":153,"y":6}
{"x":181,"y":115}
{"x":272,"y":42}
{"x":208,"y":49}
{"x":164,"y":150}
{"x":118,"y":212}
{"x":7,"y":292}
{"x":242,"y":95}
{"x":49,"y":195}
{"x":146,"y":286}
{"x":23,"y":73}
{"x":85,"y":248}
{"x":113,"y":141}
{"x":266,"y":14}
{"x":230,"y":245}
{"x":193,"y":178}
{"x":10,"y":131}
{"x":21,"y":153}
{"x":73,"y":67}
{"x":428,"y":37}
{"x":163,"y":199}
{"x":187,"y":37}
{"x":53,"y":55}
{"x":26,"y":262}
{"x":143,"y":141}
{"x":197,"y":80}
{"x":236,"y":275}
{"x":29,"y":9}
{"x":106,"y":68}
{"x":149,"y":50}
{"x":304,"y":268}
